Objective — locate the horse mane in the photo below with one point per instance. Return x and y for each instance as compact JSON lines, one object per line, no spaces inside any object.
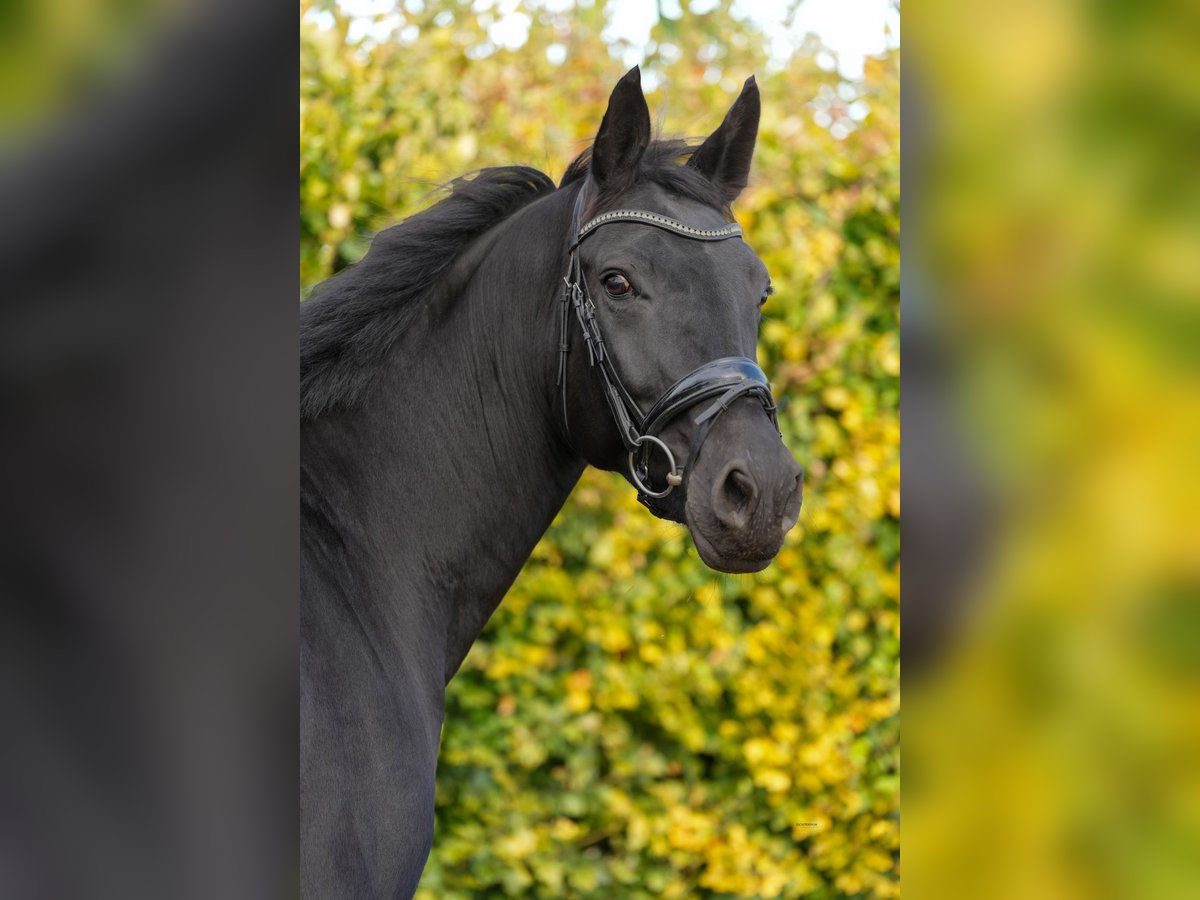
{"x":352,"y":320}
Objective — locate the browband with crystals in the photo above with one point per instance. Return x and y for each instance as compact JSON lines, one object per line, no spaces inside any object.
{"x":658,"y":221}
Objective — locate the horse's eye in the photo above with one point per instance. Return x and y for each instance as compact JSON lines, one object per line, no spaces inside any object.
{"x":767,"y":293}
{"x":617,"y":285}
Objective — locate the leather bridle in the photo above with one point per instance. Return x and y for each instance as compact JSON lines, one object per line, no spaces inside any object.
{"x":721,"y":380}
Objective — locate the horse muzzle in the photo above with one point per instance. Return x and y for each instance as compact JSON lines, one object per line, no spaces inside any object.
{"x":744,"y":494}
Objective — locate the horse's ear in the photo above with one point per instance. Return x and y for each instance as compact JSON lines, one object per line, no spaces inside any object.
{"x":624,"y":134}
{"x":724,"y":157}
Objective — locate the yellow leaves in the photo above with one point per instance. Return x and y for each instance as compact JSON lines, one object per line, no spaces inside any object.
{"x":807,"y":828}
{"x":776,"y":781}
{"x":650,"y":653}
{"x":822,"y":635}
{"x":611,"y":552}
{"x":836,"y":397}
{"x":771,"y":884}
{"x":637,"y":833}
{"x":527,"y":750}
{"x":786,"y":733}
{"x":756,"y":652}
{"x":709,"y":596}
{"x":537,"y":656}
{"x":795,"y":348}
{"x":503,"y":666}
{"x":339,"y":216}
{"x":526,"y":659}
{"x":889,"y":620}
{"x":775,"y":331}
{"x":615,"y":639}
{"x":823,"y":307}
{"x":466,"y":146}
{"x":884,"y":707}
{"x":849,"y":883}
{"x":579,"y":687}
{"x":517,"y":845}
{"x":887,"y":354}
{"x":788,"y":559}
{"x":885,"y":831}
{"x":688,"y":830}
{"x":891,"y":587}
{"x":604,"y":550}
{"x":676,"y":888}
{"x":351,"y":185}
{"x":770,"y":760}
{"x":564,"y":829}
{"x":756,"y":750}
{"x":870,"y":497}
{"x":737,"y":863}
{"x":693,"y":736}
{"x":620,"y":803}
{"x":617,"y":691}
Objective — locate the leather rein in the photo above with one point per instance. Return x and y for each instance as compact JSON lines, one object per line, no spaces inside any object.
{"x":721,"y":380}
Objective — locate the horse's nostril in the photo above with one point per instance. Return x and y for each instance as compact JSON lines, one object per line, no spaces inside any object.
{"x":739,"y":490}
{"x":792,"y":501}
{"x":734,"y":496}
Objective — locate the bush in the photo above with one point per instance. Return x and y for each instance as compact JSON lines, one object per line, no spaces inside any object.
{"x":632,"y":724}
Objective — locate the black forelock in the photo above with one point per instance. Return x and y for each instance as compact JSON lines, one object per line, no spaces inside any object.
{"x":664,"y":163}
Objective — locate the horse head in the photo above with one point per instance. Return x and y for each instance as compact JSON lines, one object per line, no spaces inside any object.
{"x":667,"y":298}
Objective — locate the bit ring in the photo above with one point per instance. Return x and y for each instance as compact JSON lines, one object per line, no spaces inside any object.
{"x":674,"y":476}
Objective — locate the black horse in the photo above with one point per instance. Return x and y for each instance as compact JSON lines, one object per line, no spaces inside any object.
{"x":454,"y":385}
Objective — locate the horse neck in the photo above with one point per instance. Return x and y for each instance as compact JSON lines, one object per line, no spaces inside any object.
{"x":454,"y":468}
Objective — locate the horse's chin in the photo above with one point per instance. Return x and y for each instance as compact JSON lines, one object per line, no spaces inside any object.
{"x":725,"y":562}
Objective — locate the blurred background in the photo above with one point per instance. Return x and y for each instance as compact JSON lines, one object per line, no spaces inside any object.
{"x":632,"y":724}
{"x":1052,"y":450}
{"x":1050,"y":290}
{"x":148,"y":449}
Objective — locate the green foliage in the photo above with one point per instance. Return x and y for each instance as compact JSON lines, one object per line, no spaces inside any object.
{"x":632,"y":724}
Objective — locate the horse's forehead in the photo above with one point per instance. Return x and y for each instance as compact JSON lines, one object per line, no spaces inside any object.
{"x":729,"y":258}
{"x":669,"y":255}
{"x":654,"y":198}
{"x":729,"y":262}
